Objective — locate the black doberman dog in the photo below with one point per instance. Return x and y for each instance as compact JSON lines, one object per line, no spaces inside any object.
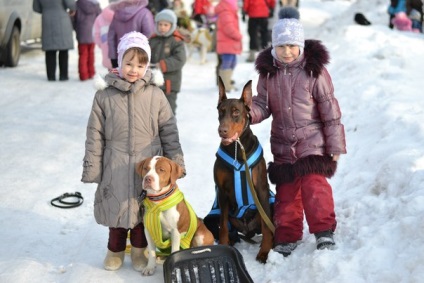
{"x":234,"y":199}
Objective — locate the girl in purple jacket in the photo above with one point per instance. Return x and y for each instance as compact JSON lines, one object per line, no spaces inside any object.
{"x":86,"y":13}
{"x":307,"y":136}
{"x":130,"y":15}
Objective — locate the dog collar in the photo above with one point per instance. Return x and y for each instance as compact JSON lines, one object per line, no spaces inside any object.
{"x":164,"y":195}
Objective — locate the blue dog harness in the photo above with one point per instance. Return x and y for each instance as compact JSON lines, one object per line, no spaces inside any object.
{"x":243,"y":193}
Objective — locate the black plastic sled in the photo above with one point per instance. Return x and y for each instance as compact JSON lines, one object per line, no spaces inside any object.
{"x":207,"y":264}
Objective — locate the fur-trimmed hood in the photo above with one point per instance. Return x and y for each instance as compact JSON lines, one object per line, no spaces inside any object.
{"x":313,"y":59}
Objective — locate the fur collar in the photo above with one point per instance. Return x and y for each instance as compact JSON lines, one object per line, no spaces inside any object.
{"x":315,"y":57}
{"x":153,"y":76}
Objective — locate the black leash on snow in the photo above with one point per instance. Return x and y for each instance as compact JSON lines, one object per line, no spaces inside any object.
{"x":68,"y":200}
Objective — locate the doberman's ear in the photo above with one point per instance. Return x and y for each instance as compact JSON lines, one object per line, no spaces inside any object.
{"x":176,"y":171}
{"x":222,"y":93}
{"x":246,"y":95}
{"x":140,"y":166}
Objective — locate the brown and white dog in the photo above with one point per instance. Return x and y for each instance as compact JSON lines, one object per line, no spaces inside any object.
{"x":159,"y":181}
{"x":200,"y":39}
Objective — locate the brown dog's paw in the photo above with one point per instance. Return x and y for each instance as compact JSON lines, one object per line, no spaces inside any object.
{"x":262,"y":257}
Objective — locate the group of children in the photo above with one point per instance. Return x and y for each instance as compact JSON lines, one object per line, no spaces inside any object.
{"x":132,"y":119}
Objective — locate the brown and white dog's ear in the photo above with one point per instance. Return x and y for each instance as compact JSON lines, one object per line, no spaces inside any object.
{"x":140,"y":166}
{"x":176,"y":171}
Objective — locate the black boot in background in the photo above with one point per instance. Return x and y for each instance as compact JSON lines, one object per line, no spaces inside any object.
{"x":63,"y":65}
{"x":51,"y":65}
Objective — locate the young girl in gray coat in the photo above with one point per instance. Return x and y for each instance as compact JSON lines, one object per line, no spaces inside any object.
{"x":130,"y":120}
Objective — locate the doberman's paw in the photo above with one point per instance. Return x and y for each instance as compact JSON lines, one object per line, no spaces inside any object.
{"x":262,"y":257}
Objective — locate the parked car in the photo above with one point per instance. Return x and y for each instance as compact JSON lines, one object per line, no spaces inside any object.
{"x":18,"y":23}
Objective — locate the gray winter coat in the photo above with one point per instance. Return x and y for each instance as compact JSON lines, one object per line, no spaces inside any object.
{"x":128,"y":123}
{"x":56,"y":23}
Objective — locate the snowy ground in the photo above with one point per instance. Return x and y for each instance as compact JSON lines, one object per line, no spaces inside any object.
{"x":378,"y":189}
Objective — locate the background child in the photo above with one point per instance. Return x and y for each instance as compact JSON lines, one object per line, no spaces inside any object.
{"x":201,"y":9}
{"x":307,"y":136}
{"x":228,"y":40}
{"x":169,"y":54}
{"x":100,"y":31}
{"x":130,"y":120}
{"x":83,"y":20}
{"x":415,"y":11}
{"x":257,"y":24}
{"x":155,"y":6}
{"x":130,"y":15}
{"x":395,"y":7}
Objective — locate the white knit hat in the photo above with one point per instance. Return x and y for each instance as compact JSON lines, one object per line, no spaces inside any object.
{"x":129,"y":40}
{"x":288,"y":31}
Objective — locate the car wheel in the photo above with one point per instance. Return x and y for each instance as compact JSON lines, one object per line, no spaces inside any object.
{"x":13,"y":48}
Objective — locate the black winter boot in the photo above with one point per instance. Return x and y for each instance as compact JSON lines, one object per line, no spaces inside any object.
{"x":325,"y":240}
{"x":51,"y":65}
{"x":63,"y":65}
{"x":285,"y":248}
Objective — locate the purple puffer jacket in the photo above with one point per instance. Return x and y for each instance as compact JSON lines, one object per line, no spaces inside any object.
{"x":130,"y":15}
{"x":86,"y":13}
{"x":306,"y":127}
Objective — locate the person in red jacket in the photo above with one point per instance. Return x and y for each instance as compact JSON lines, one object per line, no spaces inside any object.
{"x":201,"y":8}
{"x":307,"y":136}
{"x":228,"y":40}
{"x":258,"y":12}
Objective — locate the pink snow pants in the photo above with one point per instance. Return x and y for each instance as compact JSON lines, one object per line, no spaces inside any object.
{"x":310,"y":194}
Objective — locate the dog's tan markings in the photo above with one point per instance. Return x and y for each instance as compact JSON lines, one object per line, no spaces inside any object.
{"x":168,"y":172}
{"x":163,"y":169}
{"x":142,"y":167}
